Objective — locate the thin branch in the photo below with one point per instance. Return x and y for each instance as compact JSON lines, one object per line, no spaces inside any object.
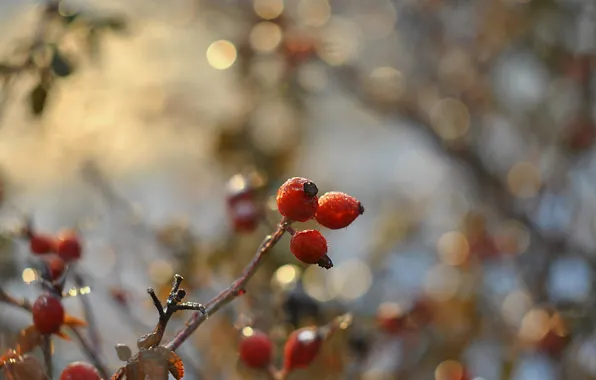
{"x":91,"y":353}
{"x":89,"y":317}
{"x":236,"y":289}
{"x":6,"y":298}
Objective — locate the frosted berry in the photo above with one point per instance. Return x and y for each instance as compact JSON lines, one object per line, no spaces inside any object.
{"x":48,"y":314}
{"x":297,"y":199}
{"x":256,"y":350}
{"x":41,"y":244}
{"x":80,"y":371}
{"x":309,"y":246}
{"x":338,"y":210}
{"x":245,"y":215}
{"x":68,"y":246}
{"x":301,"y":349}
{"x":55,"y":266}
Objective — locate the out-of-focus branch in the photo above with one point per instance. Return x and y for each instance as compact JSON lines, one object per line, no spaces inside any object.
{"x":230,"y":293}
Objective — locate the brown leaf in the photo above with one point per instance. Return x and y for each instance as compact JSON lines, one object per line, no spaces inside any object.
{"x":28,"y":340}
{"x":72,"y":321}
{"x":25,"y":368}
{"x":154,"y":363}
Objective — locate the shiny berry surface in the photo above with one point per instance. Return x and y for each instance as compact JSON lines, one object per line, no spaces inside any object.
{"x":338,"y":210}
{"x":80,"y":371}
{"x":301,"y":349}
{"x":48,"y":314}
{"x":297,"y":199}
{"x":68,"y":246}
{"x":41,"y":244}
{"x":256,"y":350}
{"x":309,"y":246}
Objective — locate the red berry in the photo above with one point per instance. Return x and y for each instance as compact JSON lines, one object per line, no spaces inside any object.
{"x":41,"y":244}
{"x":256,"y":350}
{"x":309,"y":246}
{"x":55,"y":266}
{"x":80,"y":371}
{"x":390,"y":317}
{"x":297,"y":199}
{"x":68,"y":246}
{"x":245,"y":215}
{"x":301,"y":348}
{"x":48,"y":314}
{"x":338,"y":210}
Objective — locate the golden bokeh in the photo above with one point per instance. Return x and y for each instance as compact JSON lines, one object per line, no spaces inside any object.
{"x":29,"y":275}
{"x":513,"y":237}
{"x":449,"y":370}
{"x":265,"y":36}
{"x":313,"y":13}
{"x":442,"y":282}
{"x":450,"y":118}
{"x":386,"y":83}
{"x":453,"y":248}
{"x":535,"y":325}
{"x":160,"y":271}
{"x":221,"y":54}
{"x":268,"y":9}
{"x":248,"y":331}
{"x":286,"y":275}
{"x":524,"y":180}
{"x":515,"y":306}
{"x":351,"y":280}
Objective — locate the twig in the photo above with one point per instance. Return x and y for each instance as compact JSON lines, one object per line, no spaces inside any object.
{"x":89,"y":317}
{"x":236,"y":289}
{"x":6,"y":298}
{"x":91,"y":353}
{"x":46,"y":348}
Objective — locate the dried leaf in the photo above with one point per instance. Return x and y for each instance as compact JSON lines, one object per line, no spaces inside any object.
{"x":154,"y":363}
{"x":28,"y":340}
{"x":176,"y":366}
{"x":124,"y":352}
{"x":26,"y":368}
{"x":72,"y":321}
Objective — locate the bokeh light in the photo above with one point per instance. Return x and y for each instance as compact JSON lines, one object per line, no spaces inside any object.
{"x":221,"y":54}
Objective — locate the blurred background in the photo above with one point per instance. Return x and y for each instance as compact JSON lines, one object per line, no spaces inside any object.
{"x":465,"y":128}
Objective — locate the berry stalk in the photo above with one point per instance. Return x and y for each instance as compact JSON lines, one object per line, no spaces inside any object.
{"x":236,"y":289}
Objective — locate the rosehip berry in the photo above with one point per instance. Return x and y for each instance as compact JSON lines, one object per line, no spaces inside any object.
{"x":55,"y":266}
{"x":41,"y":244}
{"x":239,"y":188}
{"x":301,"y":349}
{"x":256,"y":350}
{"x":48,"y":314}
{"x":337,"y":210}
{"x":68,"y":246}
{"x":80,"y":371}
{"x":297,"y":199}
{"x":245,"y":215}
{"x":309,"y":246}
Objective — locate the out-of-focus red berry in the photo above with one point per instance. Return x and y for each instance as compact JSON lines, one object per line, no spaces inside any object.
{"x":337,"y":210}
{"x":119,"y":295}
{"x":256,"y":350}
{"x":55,"y":265}
{"x":68,"y":246}
{"x":309,"y":246}
{"x":48,"y":314}
{"x":301,"y":349}
{"x":391,"y":317}
{"x":297,"y":199}
{"x":40,"y":244}
{"x":80,"y":371}
{"x":245,"y":215}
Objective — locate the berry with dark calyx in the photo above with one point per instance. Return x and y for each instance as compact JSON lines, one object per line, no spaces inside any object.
{"x":40,"y":244}
{"x":54,"y":266}
{"x":301,"y":349}
{"x":48,"y":314}
{"x":310,"y":247}
{"x":338,"y":210}
{"x":297,"y":199}
{"x":256,"y":350}
{"x":80,"y":371}
{"x":68,"y":246}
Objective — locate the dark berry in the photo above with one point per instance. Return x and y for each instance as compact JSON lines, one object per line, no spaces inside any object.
{"x":256,"y":350}
{"x":297,"y":199}
{"x":301,"y":349}
{"x":338,"y":210}
{"x":41,"y":244}
{"x":309,"y":246}
{"x":48,"y":314}
{"x":68,"y":246}
{"x":80,"y":371}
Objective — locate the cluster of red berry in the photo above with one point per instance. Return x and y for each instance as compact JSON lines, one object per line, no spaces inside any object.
{"x":297,"y":201}
{"x":300,"y":350}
